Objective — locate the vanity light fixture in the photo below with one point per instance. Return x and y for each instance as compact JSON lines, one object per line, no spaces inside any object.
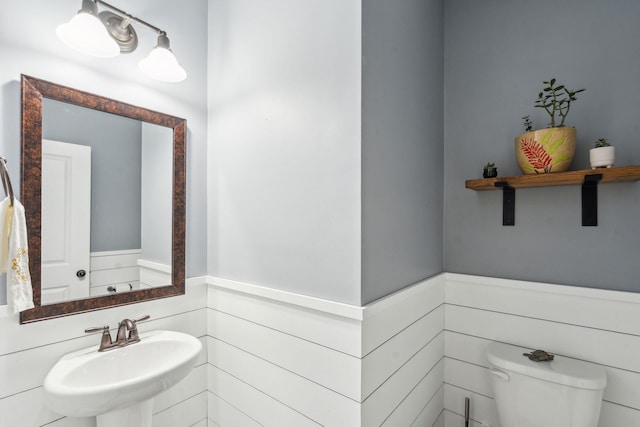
{"x":108,"y":33}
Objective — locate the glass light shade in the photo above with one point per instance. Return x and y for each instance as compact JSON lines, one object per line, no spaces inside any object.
{"x":162,"y":65}
{"x":85,"y":33}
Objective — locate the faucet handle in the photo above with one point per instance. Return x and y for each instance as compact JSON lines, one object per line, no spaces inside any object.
{"x":106,"y":342}
{"x":133,"y":332}
{"x":95,"y":329}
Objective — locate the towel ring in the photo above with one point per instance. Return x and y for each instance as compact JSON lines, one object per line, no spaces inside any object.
{"x":6,"y":181}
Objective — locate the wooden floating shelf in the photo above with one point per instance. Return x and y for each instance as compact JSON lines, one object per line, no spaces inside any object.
{"x":588,"y":179}
{"x":620,"y":174}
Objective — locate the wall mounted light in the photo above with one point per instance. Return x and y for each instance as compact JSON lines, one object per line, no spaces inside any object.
{"x":109,"y":33}
{"x":161,"y":64}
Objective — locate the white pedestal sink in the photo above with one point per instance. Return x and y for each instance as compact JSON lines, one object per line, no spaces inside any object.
{"x":118,"y":386}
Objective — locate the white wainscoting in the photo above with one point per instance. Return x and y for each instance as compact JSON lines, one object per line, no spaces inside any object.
{"x":281,"y":359}
{"x":27,"y":352}
{"x":598,"y":326}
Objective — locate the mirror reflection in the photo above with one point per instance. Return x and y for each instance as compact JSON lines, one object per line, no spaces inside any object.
{"x":136,"y":232}
{"x":106,"y":203}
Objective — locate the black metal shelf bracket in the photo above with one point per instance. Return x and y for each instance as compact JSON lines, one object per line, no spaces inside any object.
{"x":508,"y":203}
{"x":590,"y":200}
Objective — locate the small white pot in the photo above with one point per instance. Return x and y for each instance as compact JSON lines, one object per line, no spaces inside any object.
{"x":602,"y":157}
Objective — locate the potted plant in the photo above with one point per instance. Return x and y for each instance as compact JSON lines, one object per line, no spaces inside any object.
{"x":490,"y":171}
{"x":551,"y":149}
{"x":603,"y":155}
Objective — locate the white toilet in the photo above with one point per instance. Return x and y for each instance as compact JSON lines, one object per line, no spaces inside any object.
{"x":558,"y":393}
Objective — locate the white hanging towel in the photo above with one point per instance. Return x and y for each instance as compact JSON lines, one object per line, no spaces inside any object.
{"x":14,"y":256}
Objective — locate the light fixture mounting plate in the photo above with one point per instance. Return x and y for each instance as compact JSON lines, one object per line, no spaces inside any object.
{"x":126,"y":37}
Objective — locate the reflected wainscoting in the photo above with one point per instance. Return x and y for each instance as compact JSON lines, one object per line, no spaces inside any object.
{"x":113,"y":272}
{"x":125,"y":271}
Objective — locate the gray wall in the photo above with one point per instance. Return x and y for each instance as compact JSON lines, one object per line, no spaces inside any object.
{"x":326,"y":172}
{"x":157,"y":193}
{"x":496,"y":56}
{"x":116,"y":150}
{"x":284,"y":145}
{"x":402,"y":144}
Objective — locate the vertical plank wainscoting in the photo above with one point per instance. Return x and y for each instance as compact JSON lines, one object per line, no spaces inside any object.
{"x":597,"y":326}
{"x":27,"y":353}
{"x":282,"y":359}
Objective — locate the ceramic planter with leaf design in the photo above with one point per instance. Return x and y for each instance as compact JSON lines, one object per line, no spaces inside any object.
{"x":549,"y":150}
{"x":546,"y":150}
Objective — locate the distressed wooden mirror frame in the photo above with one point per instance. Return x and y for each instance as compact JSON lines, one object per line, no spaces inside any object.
{"x":33,"y":91}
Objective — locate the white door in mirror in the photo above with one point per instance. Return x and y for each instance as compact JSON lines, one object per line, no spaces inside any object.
{"x":66,"y":223}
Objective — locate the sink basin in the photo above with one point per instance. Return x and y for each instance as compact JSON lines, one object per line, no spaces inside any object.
{"x":90,"y":383}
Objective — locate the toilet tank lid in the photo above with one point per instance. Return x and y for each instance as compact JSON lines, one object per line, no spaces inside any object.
{"x":560,"y":370}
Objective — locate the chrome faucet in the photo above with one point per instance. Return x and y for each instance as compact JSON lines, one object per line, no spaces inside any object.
{"x":127,"y":334}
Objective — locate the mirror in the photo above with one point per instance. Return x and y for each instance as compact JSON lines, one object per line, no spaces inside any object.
{"x":41,"y":98}
{"x":106,"y":196}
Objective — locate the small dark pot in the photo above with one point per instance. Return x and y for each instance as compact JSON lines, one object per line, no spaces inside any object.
{"x":490,"y":173}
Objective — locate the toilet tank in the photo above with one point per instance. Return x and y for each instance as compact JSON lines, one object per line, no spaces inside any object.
{"x":559,"y":393}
